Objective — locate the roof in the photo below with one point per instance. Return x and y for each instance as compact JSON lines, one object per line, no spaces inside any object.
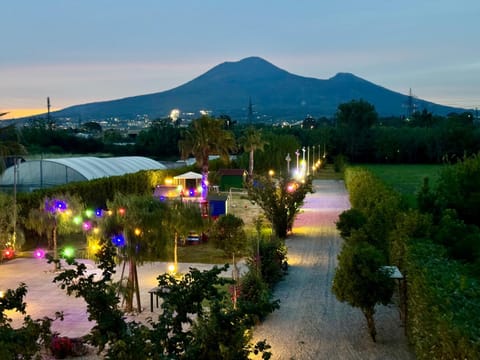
{"x":93,"y":167}
{"x":188,"y":175}
{"x":51,"y":172}
{"x":217,"y":197}
{"x":394,"y":272}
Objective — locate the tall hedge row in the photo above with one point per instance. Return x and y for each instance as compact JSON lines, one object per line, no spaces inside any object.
{"x":443,"y":300}
{"x":443,"y":305}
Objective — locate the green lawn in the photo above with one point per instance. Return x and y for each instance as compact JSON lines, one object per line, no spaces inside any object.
{"x":204,"y":253}
{"x":406,"y":179}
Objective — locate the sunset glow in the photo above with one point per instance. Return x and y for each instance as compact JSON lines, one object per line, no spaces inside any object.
{"x":19,"y":113}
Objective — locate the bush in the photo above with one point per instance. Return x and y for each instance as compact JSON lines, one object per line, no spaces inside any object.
{"x":443,"y":305}
{"x":255,"y":298}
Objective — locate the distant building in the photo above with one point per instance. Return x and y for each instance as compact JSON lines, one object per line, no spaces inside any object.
{"x":232,"y":178}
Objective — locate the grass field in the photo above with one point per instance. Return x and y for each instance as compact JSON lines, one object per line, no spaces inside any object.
{"x":407,"y":179}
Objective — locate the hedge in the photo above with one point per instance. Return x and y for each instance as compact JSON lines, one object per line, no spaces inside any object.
{"x":443,"y":304}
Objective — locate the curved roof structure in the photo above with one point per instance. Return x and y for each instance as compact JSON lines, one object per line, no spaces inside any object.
{"x":43,"y":173}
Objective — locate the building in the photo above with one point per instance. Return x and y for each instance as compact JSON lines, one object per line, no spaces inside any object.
{"x":45,"y":173}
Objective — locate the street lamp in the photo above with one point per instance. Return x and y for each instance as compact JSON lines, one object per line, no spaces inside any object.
{"x":313,"y":159}
{"x":308,"y":160}
{"x":298,"y":154}
{"x":15,"y":179}
{"x":288,"y":159}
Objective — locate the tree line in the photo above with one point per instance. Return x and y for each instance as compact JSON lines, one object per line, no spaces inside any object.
{"x":355,"y":132}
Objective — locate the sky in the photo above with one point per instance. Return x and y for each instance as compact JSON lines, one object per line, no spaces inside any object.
{"x":76,"y":52}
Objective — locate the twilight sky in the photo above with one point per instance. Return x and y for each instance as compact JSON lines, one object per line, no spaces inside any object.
{"x":77,"y":52}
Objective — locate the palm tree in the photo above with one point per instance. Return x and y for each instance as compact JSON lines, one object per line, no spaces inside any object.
{"x":138,"y":226}
{"x":252,"y":141}
{"x":9,"y":145}
{"x":206,"y":136}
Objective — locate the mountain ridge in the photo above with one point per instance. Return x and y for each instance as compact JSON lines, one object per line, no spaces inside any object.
{"x":275,"y":93}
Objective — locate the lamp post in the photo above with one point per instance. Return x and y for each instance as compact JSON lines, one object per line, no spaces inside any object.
{"x":308,"y":160}
{"x":298,"y":154}
{"x":15,"y":176}
{"x":288,"y":159}
{"x":313,"y":159}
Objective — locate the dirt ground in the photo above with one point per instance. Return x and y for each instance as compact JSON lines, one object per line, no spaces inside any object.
{"x":311,"y":323}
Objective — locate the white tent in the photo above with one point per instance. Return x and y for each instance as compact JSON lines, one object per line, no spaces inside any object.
{"x":188,"y":175}
{"x":190,"y":182}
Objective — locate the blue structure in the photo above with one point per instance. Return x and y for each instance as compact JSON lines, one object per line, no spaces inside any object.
{"x":217,"y":204}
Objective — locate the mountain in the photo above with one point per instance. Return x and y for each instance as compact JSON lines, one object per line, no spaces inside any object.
{"x":274,"y":93}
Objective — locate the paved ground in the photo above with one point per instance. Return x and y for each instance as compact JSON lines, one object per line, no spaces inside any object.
{"x":310,"y":324}
{"x":44,"y":297}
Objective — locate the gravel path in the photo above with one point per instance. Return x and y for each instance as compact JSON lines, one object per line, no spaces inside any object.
{"x":311,"y":323}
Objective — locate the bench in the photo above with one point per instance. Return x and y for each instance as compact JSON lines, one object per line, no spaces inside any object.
{"x":156,"y":291}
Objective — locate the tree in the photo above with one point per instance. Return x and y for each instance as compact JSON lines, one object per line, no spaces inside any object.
{"x":227,"y":233}
{"x":361,"y":280}
{"x":138,"y":226}
{"x":53,"y":216}
{"x":10,"y":146}
{"x":280,"y":198}
{"x":457,"y":188}
{"x":183,"y":217}
{"x":21,"y":342}
{"x":186,"y":329}
{"x":252,"y":141}
{"x":356,"y":118}
{"x":7,"y":221}
{"x":206,"y":136}
{"x":350,"y":220}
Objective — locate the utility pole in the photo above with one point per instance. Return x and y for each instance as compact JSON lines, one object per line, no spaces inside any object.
{"x":14,"y":235}
{"x":48,"y":109}
{"x":250,"y":111}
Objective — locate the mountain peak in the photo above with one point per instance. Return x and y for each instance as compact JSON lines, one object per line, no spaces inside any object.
{"x":344,"y":76}
{"x":276,"y":93}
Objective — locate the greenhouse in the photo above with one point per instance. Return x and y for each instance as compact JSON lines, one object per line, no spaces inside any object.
{"x":44,"y":173}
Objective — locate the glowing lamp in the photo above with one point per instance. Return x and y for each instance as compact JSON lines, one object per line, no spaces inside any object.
{"x":39,"y":254}
{"x":55,"y":206}
{"x":138,"y":231}
{"x":60,"y":205}
{"x":89,"y":213}
{"x":121,"y":211}
{"x":168,"y":181}
{"x":77,"y":220}
{"x":162,"y":198}
{"x":94,"y":248}
{"x":2,"y":294}
{"x":68,"y":252}
{"x":118,"y":240}
{"x":191,"y":192}
{"x":87,"y":225}
{"x":171,"y":268}
{"x":291,"y":187}
{"x":98,"y":212}
{"x":8,"y":253}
